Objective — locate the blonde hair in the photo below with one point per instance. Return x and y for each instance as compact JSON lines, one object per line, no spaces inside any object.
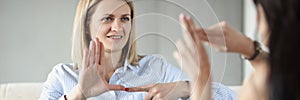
{"x":81,"y":35}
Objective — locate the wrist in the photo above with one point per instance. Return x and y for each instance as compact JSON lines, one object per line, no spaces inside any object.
{"x":185,"y":91}
{"x":248,"y":50}
{"x":76,"y":94}
{"x":257,"y":50}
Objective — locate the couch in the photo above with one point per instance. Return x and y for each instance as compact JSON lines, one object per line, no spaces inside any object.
{"x":31,"y":91}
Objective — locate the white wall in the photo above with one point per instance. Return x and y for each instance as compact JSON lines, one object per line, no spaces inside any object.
{"x":249,"y":30}
{"x":35,"y":35}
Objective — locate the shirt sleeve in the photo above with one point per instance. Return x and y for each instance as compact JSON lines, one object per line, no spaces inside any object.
{"x":221,"y":92}
{"x":171,"y":73}
{"x":52,"y":88}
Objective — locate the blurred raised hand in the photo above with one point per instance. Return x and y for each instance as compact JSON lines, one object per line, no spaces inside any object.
{"x":224,"y":38}
{"x":192,"y":57}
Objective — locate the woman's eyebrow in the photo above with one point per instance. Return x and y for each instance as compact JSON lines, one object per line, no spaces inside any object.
{"x":110,"y":15}
{"x":126,"y":15}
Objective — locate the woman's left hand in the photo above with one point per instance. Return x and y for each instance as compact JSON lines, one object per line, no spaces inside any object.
{"x":163,"y":91}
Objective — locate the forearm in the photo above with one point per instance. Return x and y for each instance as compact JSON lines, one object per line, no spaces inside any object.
{"x":75,"y":94}
{"x":201,"y":90}
{"x":249,"y":50}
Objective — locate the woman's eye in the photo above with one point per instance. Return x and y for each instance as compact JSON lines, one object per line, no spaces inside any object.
{"x":124,"y":19}
{"x":106,"y":19}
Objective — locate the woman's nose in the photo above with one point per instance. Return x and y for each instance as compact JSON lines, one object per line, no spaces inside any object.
{"x":116,"y":26}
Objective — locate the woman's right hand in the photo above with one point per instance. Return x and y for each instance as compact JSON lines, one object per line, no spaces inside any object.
{"x":91,"y":75}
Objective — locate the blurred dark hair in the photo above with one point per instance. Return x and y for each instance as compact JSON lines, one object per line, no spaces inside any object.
{"x":283,"y":18}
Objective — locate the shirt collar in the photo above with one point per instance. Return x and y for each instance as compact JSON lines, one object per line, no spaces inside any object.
{"x":127,"y":66}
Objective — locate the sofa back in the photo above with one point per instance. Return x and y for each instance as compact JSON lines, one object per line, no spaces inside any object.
{"x":20,"y":91}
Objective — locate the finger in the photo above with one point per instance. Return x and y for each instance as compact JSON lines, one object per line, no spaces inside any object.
{"x":188,"y":38}
{"x":85,"y":59}
{"x":144,"y":88}
{"x":97,"y":55}
{"x":186,"y":28}
{"x":186,"y":49}
{"x":217,"y":39}
{"x":201,"y":50}
{"x":137,"y":89}
{"x":200,"y":33}
{"x":215,"y":30}
{"x":187,"y":61}
{"x":184,"y":23}
{"x":197,"y":31}
{"x":203,"y":59}
{"x":192,"y":26}
{"x":92,"y":52}
{"x":102,"y":60}
{"x":115,"y":87}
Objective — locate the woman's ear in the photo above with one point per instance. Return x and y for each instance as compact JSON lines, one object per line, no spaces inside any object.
{"x":262,"y":25}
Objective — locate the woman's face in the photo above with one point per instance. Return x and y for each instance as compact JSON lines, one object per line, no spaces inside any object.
{"x":111,"y":23}
{"x":263,"y":28}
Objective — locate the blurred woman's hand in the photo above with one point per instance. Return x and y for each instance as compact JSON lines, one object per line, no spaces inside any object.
{"x":91,"y":75}
{"x":163,"y":91}
{"x":225,"y":38}
{"x":193,"y":59}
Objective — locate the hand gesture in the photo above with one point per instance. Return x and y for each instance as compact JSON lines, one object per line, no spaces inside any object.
{"x":225,"y":38}
{"x":163,"y":91}
{"x":91,"y":76}
{"x":193,"y":59}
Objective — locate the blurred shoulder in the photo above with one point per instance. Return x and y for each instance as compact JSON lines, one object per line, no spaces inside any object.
{"x":64,"y":68}
{"x":152,"y":58}
{"x":221,"y":91}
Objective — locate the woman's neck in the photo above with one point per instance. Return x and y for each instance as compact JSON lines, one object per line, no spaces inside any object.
{"x":111,"y":63}
{"x":112,"y":59}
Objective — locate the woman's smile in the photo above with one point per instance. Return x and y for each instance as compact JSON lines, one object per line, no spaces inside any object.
{"x":114,"y":38}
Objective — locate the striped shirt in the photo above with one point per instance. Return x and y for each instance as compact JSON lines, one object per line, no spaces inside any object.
{"x":151,"y":69}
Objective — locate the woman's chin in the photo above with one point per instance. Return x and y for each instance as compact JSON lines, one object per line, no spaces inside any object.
{"x":112,"y":50}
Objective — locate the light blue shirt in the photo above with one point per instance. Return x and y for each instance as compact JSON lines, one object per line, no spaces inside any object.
{"x":151,"y":69}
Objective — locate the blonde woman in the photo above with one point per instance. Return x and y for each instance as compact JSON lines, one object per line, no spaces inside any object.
{"x":105,"y":60}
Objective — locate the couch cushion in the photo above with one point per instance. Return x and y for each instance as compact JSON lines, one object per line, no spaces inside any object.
{"x":20,"y":91}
